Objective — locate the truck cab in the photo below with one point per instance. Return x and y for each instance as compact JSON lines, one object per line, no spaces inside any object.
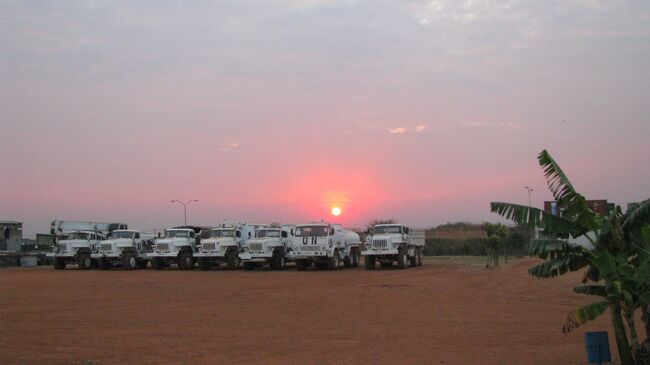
{"x":389,"y":243}
{"x":177,"y":247}
{"x":224,"y":243}
{"x":126,"y":248}
{"x":272,"y":246}
{"x":324,"y":245}
{"x":76,"y":247}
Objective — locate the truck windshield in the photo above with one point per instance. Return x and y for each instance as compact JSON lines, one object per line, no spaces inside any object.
{"x":218,"y":233}
{"x":182,"y":234}
{"x":311,"y":231}
{"x":387,"y":229}
{"x":120,"y":234}
{"x":80,"y":236}
{"x":268,"y":233}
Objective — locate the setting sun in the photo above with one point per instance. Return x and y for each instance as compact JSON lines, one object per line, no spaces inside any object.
{"x":336,"y":211}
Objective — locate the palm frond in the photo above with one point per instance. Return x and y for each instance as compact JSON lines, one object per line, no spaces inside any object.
{"x":553,"y":248}
{"x":534,"y":217}
{"x":560,"y":186}
{"x":598,"y":290}
{"x":638,"y":216}
{"x":558,"y":266}
{"x":584,"y":314}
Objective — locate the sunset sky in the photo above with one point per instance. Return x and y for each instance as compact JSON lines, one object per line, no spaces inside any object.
{"x":422,"y":111}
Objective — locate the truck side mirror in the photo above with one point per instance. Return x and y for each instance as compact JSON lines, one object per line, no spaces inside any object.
{"x":238,"y":234}
{"x":137,"y":235}
{"x":6,"y":233}
{"x":249,"y":235}
{"x":331,"y":231}
{"x":292,"y":233}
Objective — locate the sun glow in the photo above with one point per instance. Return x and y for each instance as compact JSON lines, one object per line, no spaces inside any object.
{"x":336,"y":211}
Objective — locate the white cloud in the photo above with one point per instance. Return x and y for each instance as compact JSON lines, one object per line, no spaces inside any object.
{"x":398,"y":130}
{"x":230,"y":146}
{"x":420,"y":127}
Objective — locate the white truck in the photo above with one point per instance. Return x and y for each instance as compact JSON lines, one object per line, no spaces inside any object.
{"x":389,"y":243}
{"x":177,"y":247}
{"x":126,"y":248}
{"x":76,"y":247}
{"x":324,"y":245}
{"x":272,"y":246}
{"x":224,"y":243}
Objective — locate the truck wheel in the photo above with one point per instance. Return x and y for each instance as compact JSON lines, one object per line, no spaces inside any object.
{"x":103,"y":264}
{"x":334,"y":261}
{"x":278,"y":261}
{"x":59,"y":264}
{"x":157,"y":263}
{"x":349,"y":261}
{"x":129,"y":262}
{"x":413,"y":261}
{"x":185,"y":261}
{"x":370,"y":262}
{"x":301,"y":265}
{"x":204,"y":264}
{"x":232,"y":260}
{"x":84,"y":261}
{"x":401,"y":259}
{"x":355,"y":258}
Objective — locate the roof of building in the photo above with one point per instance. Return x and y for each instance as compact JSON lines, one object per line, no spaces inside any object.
{"x":10,"y":222}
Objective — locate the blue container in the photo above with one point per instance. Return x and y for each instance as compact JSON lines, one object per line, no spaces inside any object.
{"x":597,"y":344}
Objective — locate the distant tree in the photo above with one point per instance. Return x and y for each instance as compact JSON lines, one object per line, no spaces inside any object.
{"x":275,"y":225}
{"x":496,"y":234}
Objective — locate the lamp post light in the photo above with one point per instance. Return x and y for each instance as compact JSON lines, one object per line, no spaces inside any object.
{"x":185,"y":204}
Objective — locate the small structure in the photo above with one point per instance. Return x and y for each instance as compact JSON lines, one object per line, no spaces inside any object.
{"x":11,"y":235}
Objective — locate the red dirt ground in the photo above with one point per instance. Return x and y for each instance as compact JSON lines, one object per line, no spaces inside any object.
{"x":441,"y":313}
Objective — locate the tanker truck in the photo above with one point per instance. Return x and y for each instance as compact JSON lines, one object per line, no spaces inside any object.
{"x":390,"y":243}
{"x":324,"y":245}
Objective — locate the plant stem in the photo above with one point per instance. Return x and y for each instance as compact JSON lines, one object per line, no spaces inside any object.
{"x":624,"y":353}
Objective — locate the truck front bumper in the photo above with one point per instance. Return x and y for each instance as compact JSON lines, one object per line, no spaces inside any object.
{"x":308,"y":255}
{"x":255,"y":256}
{"x":65,"y":255}
{"x":392,"y":251}
{"x":220,"y":254}
{"x":162,"y":254}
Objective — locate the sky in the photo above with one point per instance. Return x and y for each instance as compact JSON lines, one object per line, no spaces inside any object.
{"x":421,"y":111}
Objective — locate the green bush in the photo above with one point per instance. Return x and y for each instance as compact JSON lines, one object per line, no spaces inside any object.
{"x":471,"y":247}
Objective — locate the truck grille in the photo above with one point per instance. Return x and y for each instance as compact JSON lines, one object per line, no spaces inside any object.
{"x":310,"y":248}
{"x":209,"y":246}
{"x":106,"y":247}
{"x":379,"y":244}
{"x":256,"y":247}
{"x":63,"y":247}
{"x":161,"y":247}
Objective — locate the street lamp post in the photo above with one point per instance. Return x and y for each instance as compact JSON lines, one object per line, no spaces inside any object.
{"x":185,"y":204}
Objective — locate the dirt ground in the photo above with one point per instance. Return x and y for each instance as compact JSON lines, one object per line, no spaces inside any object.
{"x":445,"y":312}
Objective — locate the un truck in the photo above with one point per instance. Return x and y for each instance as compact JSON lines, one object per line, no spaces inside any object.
{"x":177,"y":247}
{"x":76,"y":247}
{"x":125,"y":248}
{"x":324,"y":245}
{"x":224,"y":243}
{"x":390,"y":243}
{"x":269,"y":246}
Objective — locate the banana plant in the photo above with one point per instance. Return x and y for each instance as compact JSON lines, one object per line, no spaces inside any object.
{"x":611,"y":259}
